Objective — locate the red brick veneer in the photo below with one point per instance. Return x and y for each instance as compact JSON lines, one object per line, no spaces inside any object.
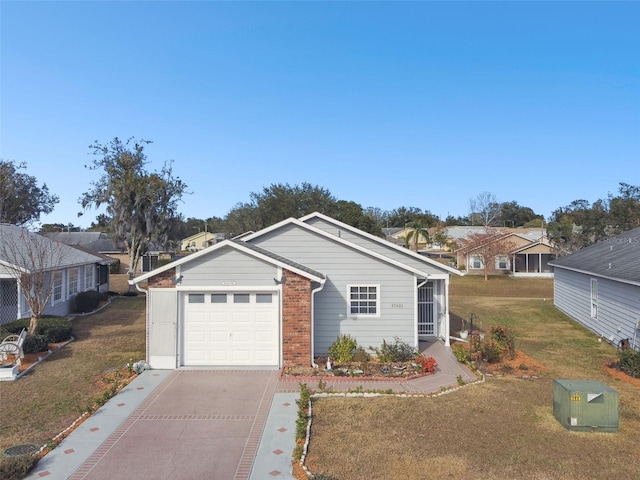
{"x":163,"y":279}
{"x":296,"y":320}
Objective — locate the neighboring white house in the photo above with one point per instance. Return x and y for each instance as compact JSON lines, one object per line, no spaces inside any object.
{"x":599,"y":286}
{"x":71,"y":272}
{"x":282,"y":295}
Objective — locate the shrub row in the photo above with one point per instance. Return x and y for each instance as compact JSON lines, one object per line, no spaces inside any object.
{"x":50,"y":329}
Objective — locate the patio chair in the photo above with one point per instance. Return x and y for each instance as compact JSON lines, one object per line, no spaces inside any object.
{"x":12,"y":345}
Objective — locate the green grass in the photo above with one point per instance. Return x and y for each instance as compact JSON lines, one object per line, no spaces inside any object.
{"x":502,"y":429}
{"x":47,"y":400}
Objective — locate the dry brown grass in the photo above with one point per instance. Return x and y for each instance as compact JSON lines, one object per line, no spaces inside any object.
{"x":50,"y":397}
{"x":502,"y":429}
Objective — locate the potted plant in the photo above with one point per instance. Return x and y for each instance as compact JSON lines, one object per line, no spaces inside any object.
{"x":464,"y":330}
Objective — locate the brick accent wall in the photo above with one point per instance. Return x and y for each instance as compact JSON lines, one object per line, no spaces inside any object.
{"x":163,"y":279}
{"x":296,"y":320}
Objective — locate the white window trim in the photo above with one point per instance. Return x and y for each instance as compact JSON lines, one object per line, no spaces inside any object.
{"x":89,"y":277}
{"x":506,"y":257}
{"x":363,"y":315}
{"x":472,"y":259}
{"x":59,"y":274}
{"x":70,"y":291}
{"x":594,"y":298}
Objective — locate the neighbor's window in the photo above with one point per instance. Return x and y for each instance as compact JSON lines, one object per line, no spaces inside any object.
{"x":73,"y":280}
{"x":89,"y":282}
{"x":476,"y":262}
{"x":594,"y":298}
{"x":364,"y":299}
{"x":57,"y":287}
{"x":502,"y":262}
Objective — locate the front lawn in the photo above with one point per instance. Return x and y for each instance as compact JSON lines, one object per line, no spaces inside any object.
{"x":47,"y":400}
{"x":502,"y":429}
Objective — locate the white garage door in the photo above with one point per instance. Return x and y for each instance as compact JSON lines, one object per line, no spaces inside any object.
{"x":235,"y":329}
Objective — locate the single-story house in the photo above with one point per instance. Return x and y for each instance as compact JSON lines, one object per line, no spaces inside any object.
{"x":199,"y":241}
{"x":68,"y":271}
{"x":599,"y":287}
{"x":100,"y":243}
{"x":282,"y":295}
{"x":526,"y":254}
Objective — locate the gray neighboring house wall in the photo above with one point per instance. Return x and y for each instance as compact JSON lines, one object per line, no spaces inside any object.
{"x":282,"y":295}
{"x":76,"y":272}
{"x":599,"y":286}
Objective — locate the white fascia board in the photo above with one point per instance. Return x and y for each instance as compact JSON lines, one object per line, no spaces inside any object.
{"x":381,"y":241}
{"x":344,"y":242}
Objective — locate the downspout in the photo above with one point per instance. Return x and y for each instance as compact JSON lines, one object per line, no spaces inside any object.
{"x":313,"y":314}
{"x":447,"y":320}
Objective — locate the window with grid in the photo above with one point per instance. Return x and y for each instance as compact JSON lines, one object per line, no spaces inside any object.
{"x":56,"y":296}
{"x":364,"y":299}
{"x":89,"y":283}
{"x":502,"y":262}
{"x":476,"y":262}
{"x":73,"y":281}
{"x":594,"y":298}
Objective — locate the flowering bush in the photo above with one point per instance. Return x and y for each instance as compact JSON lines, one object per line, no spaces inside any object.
{"x":428,"y":364}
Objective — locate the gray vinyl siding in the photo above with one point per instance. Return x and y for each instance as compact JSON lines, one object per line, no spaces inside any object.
{"x":344,"y":266}
{"x":227,"y":266}
{"x":618,"y":304}
{"x":386,"y":250}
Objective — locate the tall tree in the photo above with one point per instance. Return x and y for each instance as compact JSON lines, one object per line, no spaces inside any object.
{"x":22,"y":200}
{"x":30,"y":259}
{"x":281,"y":200}
{"x":485,"y":210}
{"x":141,"y":205}
{"x":578,"y":225}
{"x":514,"y":215}
{"x":417,"y":233}
{"x":624,"y":209}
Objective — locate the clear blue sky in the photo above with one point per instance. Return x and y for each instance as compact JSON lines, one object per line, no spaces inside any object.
{"x":387,"y":104}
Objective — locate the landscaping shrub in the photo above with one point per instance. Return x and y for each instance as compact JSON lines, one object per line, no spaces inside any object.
{"x":629,"y":362}
{"x":428,"y":364}
{"x":461,"y":352}
{"x":87,"y":301}
{"x":341,"y":351}
{"x":505,"y":338}
{"x":15,"y":468}
{"x":53,"y":329}
{"x":490,"y":350}
{"x":361,"y":355}
{"x":35,"y":343}
{"x":398,"y":351}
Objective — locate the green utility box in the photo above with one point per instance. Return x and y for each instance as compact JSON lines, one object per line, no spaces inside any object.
{"x":585,"y":406}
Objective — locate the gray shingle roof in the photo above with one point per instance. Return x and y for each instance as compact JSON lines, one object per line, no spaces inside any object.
{"x":617,"y":257}
{"x":93,"y":241}
{"x":61,"y":255}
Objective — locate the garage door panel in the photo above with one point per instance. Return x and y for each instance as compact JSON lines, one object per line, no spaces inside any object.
{"x":232,"y":333}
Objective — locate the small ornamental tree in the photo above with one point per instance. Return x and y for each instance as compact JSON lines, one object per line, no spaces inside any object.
{"x":31,"y":259}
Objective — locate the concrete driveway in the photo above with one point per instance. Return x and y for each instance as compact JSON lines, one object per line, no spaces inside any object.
{"x":195,"y":424}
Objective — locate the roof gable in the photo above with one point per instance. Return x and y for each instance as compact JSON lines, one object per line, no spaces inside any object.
{"x":302,"y":223}
{"x":253,"y":250}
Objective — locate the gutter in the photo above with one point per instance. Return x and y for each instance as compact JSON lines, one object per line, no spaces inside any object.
{"x":313,"y":295}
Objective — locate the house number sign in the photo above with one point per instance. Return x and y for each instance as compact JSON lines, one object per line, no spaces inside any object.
{"x":397,"y":305}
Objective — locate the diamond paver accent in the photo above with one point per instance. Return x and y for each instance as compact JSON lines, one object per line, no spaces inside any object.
{"x":274,"y":473}
{"x":278,"y":452}
{"x":69,"y":450}
{"x":282,"y":429}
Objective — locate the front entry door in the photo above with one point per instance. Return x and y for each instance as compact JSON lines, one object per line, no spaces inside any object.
{"x":426,"y":310}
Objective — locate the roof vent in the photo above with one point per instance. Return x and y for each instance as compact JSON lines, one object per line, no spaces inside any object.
{"x":609,"y":266}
